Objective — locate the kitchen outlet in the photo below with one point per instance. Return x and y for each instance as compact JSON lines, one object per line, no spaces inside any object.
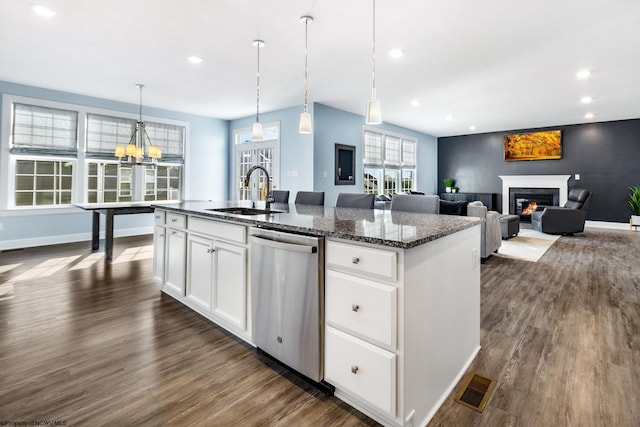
{"x":577,"y":177}
{"x":325,"y":174}
{"x":474,"y":257}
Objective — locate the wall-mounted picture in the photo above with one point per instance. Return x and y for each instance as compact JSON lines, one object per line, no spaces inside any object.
{"x":533,"y":146}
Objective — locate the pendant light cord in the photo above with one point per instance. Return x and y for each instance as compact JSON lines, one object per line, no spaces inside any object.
{"x":140,"y":86}
{"x":373,"y":87}
{"x":258,"y":85}
{"x":306,"y":28}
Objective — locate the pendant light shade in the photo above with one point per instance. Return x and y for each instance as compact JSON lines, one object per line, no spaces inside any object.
{"x":373,"y":114}
{"x":256,"y":131}
{"x":305,"y":126}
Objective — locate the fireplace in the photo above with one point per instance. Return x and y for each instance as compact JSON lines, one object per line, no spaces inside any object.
{"x":547,"y":183}
{"x":522,"y":201}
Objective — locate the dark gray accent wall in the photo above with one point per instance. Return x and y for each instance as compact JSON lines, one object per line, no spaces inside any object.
{"x":606,"y":155}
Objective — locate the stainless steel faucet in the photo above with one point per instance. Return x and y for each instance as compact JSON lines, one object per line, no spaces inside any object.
{"x":269,"y":199}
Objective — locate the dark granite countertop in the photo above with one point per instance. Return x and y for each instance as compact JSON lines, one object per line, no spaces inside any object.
{"x":381,"y":227}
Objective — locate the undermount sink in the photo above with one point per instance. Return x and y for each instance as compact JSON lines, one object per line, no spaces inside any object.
{"x":245,"y":211}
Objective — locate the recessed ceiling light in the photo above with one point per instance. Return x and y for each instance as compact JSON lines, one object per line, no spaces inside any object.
{"x":415,"y":103}
{"x":396,"y":53}
{"x":43,"y":11}
{"x":472,"y":127}
{"x":449,"y":117}
{"x":194,"y":59}
{"x":583,"y":74}
{"x":586,"y":99}
{"x":588,"y":116}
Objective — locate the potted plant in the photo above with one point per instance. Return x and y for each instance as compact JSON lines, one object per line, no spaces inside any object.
{"x":634,"y":204}
{"x":448,"y":184}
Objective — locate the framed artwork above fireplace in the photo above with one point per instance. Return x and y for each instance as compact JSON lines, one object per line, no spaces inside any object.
{"x":533,"y":146}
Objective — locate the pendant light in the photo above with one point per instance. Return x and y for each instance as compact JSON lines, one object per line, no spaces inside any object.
{"x":374,"y":114}
{"x":134,"y":150}
{"x":256,"y":131}
{"x":305,"y":126}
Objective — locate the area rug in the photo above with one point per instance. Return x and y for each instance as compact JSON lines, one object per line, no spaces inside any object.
{"x":528,"y":245}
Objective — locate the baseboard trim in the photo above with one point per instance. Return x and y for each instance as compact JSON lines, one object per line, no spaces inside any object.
{"x":69,"y":238}
{"x":609,"y":225}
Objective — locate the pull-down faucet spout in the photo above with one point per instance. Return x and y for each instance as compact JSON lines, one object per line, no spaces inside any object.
{"x":247,"y":178}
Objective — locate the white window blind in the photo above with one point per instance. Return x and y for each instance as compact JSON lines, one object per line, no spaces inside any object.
{"x":408,"y":153}
{"x":170,"y":139}
{"x":372,"y":149}
{"x":392,"y":151}
{"x":44,"y":130}
{"x":105,"y":132}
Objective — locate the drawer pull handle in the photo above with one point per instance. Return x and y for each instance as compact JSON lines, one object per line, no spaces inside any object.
{"x":161,"y":235}
{"x":355,"y":260}
{"x":355,"y":307}
{"x":174,"y":220}
{"x":210,"y":250}
{"x":157,"y":216}
{"x":354,"y":369}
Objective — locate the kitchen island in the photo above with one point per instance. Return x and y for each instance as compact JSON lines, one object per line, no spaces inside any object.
{"x":401,"y":318}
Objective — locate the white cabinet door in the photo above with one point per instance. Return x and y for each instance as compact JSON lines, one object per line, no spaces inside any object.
{"x":200,"y":262}
{"x":176,"y":250}
{"x":158,"y":254}
{"x":230,"y":284}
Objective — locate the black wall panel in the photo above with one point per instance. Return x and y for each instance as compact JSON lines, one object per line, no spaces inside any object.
{"x":606,"y":156}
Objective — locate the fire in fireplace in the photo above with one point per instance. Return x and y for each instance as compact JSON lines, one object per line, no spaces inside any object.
{"x":523,"y":201}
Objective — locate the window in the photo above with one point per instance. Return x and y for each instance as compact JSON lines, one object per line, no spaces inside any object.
{"x":55,"y":154}
{"x":390,"y":163}
{"x":250,"y":153}
{"x":44,"y":147}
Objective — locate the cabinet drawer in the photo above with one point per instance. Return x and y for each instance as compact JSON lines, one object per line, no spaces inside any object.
{"x":362,"y":260}
{"x":361,"y":369}
{"x":176,"y":220}
{"x":158,"y":217}
{"x":221,"y":230}
{"x":362,"y":307}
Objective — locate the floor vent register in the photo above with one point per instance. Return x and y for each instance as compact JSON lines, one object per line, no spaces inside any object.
{"x":475,"y":391}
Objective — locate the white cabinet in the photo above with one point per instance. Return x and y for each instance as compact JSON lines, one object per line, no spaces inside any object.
{"x":361,"y":324}
{"x":159,"y":234}
{"x":401,"y":325}
{"x":217,"y":279}
{"x":200,"y":271}
{"x":175,"y":254}
{"x":230,"y":284}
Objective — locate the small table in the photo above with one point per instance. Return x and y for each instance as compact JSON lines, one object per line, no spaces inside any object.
{"x":109,"y":210}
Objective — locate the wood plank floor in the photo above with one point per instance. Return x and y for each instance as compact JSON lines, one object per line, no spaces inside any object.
{"x":91,"y":343}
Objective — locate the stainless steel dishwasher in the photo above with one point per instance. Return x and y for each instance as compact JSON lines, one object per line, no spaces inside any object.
{"x":287,"y":299}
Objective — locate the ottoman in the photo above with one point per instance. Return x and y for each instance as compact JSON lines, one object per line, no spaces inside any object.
{"x":509,"y":225}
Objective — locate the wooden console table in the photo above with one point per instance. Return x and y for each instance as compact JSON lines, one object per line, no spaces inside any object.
{"x":109,"y":210}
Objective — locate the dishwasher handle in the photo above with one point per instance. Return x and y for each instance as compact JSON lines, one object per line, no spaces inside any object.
{"x":284,"y":245}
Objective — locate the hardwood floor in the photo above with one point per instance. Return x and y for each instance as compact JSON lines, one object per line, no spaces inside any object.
{"x":91,"y":343}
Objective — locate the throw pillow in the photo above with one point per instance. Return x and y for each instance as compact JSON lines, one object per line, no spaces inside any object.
{"x":453,"y":208}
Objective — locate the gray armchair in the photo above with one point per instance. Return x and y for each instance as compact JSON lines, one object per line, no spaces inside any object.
{"x":567,"y":219}
{"x":490,"y":234}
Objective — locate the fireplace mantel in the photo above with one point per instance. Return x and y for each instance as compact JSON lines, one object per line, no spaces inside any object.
{"x":534,"y":181}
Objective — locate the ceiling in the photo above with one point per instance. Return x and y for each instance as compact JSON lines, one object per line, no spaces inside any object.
{"x":498,"y":65}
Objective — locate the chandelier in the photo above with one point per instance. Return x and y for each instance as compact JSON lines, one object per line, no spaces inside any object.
{"x":134,"y":151}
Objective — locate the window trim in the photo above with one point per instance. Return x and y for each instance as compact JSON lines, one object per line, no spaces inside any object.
{"x":400,"y":167}
{"x":80,"y":180}
{"x":256,"y":144}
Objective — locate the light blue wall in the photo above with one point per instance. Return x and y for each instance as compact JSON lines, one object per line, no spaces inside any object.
{"x":312,"y":156}
{"x":296,"y":150}
{"x":333,"y":126}
{"x":205,"y":166}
